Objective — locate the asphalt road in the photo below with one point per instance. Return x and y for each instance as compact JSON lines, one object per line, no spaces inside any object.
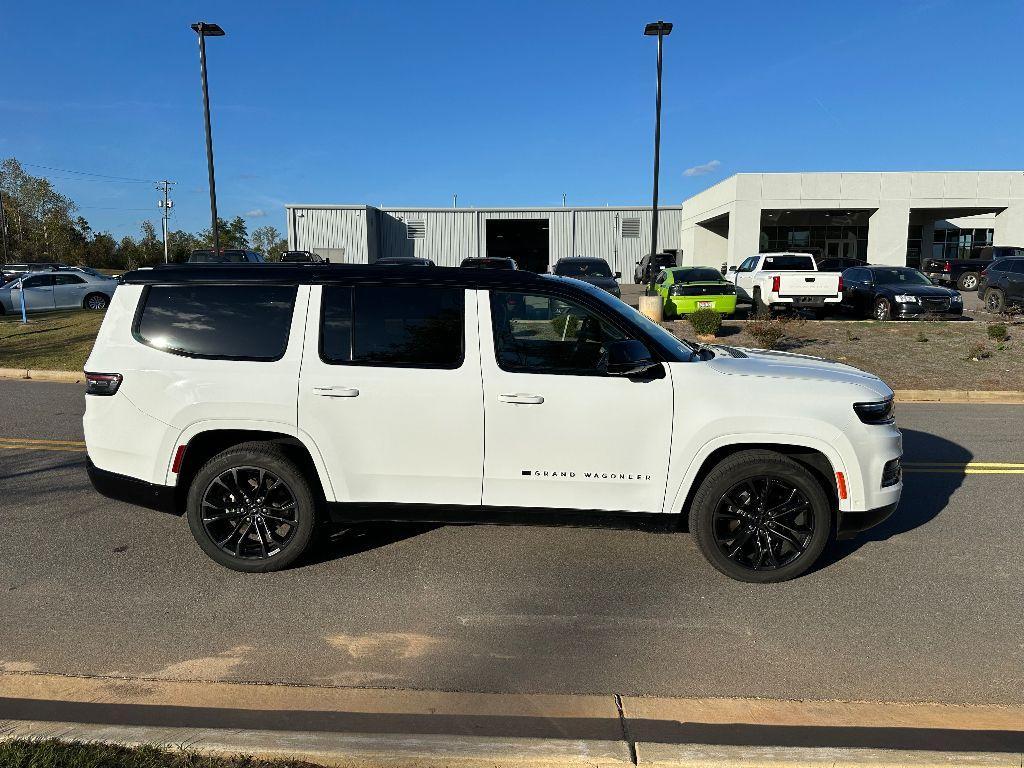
{"x":928,"y":607}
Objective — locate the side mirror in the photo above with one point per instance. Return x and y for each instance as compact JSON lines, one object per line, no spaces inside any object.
{"x":618,"y":275}
{"x":732,"y":268}
{"x":630,"y":357}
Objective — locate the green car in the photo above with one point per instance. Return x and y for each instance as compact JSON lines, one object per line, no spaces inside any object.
{"x":687,"y":289}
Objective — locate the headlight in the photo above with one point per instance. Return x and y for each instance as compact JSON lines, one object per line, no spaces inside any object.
{"x":903,"y":298}
{"x":882,"y":412}
{"x":956,"y":298}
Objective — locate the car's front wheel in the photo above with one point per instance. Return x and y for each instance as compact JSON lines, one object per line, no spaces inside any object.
{"x":761,"y":517}
{"x":882,"y":309}
{"x":251,"y":508}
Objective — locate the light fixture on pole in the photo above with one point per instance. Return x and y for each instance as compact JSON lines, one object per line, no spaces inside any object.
{"x":205,"y":29}
{"x":659,"y":29}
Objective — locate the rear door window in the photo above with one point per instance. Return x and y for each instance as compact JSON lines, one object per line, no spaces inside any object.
{"x":396,"y":326}
{"x":223,"y":322}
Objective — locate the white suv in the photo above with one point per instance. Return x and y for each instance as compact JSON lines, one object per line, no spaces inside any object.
{"x":262,"y":400}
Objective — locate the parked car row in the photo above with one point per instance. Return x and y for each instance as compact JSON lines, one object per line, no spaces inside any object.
{"x":70,"y":288}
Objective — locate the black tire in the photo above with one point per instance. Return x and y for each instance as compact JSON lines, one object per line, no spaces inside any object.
{"x":711,"y":519}
{"x":968,"y":281}
{"x":995,"y":301}
{"x":881,"y":309}
{"x":96,"y":301}
{"x":293,"y":526}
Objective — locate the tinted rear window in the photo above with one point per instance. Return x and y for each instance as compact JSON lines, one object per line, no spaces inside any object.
{"x":405,"y":327}
{"x":230,"y":322}
{"x":583,"y":268}
{"x":786,"y":263}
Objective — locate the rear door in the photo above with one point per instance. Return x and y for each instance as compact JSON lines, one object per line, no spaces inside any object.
{"x":390,"y":392}
{"x":560,"y":433}
{"x":1015,"y":280}
{"x":69,"y":290}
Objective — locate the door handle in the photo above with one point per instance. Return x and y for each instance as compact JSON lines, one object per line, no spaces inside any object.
{"x":337,"y":391}
{"x":521,"y":399}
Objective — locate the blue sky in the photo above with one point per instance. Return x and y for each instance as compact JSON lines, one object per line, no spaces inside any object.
{"x":510,"y":103}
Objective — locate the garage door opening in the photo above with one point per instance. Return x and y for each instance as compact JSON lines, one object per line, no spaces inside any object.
{"x":525,"y":240}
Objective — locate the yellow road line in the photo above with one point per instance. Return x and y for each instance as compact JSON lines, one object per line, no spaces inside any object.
{"x":40,"y":442}
{"x":964,"y":464}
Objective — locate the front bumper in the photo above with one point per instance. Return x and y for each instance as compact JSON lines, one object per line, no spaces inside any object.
{"x":910,"y":311}
{"x":162,"y":498}
{"x":852,"y":523}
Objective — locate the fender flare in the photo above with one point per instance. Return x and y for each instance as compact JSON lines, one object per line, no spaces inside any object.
{"x":762,"y":439}
{"x":215,"y":425}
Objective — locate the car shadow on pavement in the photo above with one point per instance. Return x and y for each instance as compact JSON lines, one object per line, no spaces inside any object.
{"x":364,"y":537}
{"x":926,"y":491}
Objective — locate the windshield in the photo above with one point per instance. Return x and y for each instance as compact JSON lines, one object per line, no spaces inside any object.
{"x":787,"y":263}
{"x":697,"y":275}
{"x":900,"y":276}
{"x":583,"y":268}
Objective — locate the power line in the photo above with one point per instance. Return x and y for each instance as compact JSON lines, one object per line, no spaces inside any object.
{"x":89,"y":173}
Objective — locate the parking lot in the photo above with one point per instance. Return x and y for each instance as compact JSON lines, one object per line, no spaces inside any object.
{"x":925,"y":608}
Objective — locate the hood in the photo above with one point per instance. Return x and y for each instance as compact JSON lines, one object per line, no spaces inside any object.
{"x":600,"y":282}
{"x":740,"y":361}
{"x":917,"y":290}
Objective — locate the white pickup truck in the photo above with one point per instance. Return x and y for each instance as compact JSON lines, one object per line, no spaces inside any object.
{"x":780,"y":280}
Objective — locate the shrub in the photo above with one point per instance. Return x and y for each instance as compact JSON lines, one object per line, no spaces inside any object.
{"x":705,"y":322}
{"x":921,"y":337}
{"x":851,"y":336}
{"x":766,"y":332}
{"x":997,"y":332}
{"x":979,"y":351}
{"x":566,"y":325}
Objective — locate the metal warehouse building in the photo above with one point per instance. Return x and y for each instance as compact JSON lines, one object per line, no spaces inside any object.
{"x":534,"y":237}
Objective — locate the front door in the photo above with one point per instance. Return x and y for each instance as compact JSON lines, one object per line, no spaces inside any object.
{"x":38,"y":291}
{"x":390,"y":392}
{"x":560,"y":433}
{"x":744,"y":278}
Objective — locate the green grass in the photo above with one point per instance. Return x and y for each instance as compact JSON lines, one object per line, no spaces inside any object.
{"x":58,"y":341}
{"x":56,"y":754}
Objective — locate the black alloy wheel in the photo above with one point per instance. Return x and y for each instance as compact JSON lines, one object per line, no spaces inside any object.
{"x":95,"y":301}
{"x":249,"y":513}
{"x":882,"y":309}
{"x":763,"y":523}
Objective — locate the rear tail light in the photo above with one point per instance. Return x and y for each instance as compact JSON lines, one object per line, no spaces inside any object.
{"x":840,"y":283}
{"x":102,"y":383}
{"x":776,"y":283}
{"x":947,"y":267}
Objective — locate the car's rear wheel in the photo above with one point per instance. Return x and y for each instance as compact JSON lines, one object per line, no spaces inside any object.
{"x":995,"y":300}
{"x":968,"y":281}
{"x":761,"y":517}
{"x":251,"y":508}
{"x":882,"y":309}
{"x":95,"y":301}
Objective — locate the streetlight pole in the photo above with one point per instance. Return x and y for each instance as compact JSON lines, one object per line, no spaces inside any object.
{"x":661,"y":29}
{"x":3,"y":226}
{"x":203,"y":29}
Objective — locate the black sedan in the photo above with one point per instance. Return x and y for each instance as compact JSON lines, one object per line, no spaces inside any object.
{"x":887,"y":293}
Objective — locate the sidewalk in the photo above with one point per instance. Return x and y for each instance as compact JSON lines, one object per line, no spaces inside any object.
{"x":371,"y":727}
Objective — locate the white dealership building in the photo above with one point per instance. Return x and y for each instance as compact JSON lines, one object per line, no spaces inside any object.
{"x":883,"y":217}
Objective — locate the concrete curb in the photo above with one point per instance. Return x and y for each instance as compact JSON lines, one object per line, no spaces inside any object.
{"x":359,"y":750}
{"x":995,"y":397}
{"x":65,"y":377}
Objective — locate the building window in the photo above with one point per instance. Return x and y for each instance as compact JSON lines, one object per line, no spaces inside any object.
{"x":631,"y":227}
{"x":415,"y":229}
{"x":956,"y":243}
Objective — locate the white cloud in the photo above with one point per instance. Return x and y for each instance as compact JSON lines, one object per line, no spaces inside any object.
{"x":701,"y":170}
{"x":255,"y":213}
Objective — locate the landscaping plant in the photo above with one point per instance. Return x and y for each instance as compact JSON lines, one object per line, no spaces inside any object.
{"x":705,"y":322}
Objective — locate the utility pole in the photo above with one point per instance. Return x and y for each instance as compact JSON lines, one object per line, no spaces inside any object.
{"x":3,"y":226}
{"x":659,"y":29}
{"x":166,"y":204}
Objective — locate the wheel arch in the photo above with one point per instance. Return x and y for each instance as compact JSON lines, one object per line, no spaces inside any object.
{"x":205,"y":442}
{"x":814,"y":457}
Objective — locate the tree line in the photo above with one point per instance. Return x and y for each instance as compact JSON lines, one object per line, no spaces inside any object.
{"x":42,"y":225}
